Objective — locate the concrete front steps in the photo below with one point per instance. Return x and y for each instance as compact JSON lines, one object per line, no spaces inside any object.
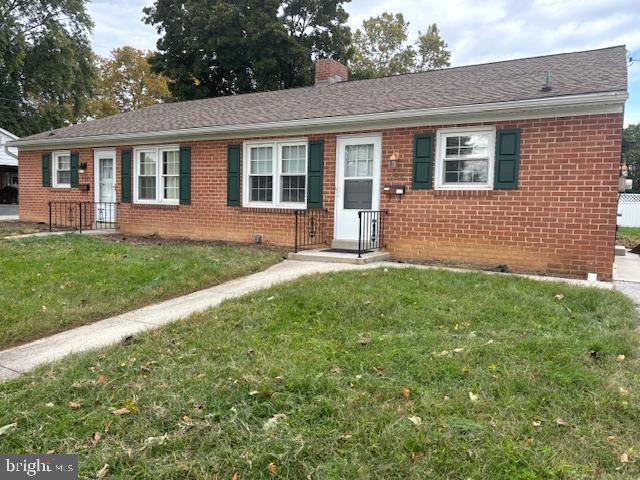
{"x":322,"y":255}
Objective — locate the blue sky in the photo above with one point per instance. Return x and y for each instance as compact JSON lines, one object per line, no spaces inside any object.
{"x":476,"y":30}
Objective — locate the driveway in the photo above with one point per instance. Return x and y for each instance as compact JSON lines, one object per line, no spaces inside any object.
{"x":8,"y":212}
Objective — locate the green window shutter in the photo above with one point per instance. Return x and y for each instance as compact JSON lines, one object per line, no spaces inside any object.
{"x":315,"y":173}
{"x":185,"y":175}
{"x":233,"y":175}
{"x":75,"y":165}
{"x":46,"y":169}
{"x":423,"y":162}
{"x":125,"y":176}
{"x":507,"y":158}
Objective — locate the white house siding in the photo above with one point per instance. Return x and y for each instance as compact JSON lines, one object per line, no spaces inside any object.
{"x":5,"y":158}
{"x":629,"y":210}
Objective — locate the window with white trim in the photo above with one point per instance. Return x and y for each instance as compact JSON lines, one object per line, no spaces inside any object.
{"x":61,"y":169}
{"x":465,"y":158}
{"x":275,"y":174}
{"x":157,"y":175}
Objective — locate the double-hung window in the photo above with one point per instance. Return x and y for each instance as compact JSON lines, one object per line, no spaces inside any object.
{"x":61,"y":169}
{"x":157,"y":175}
{"x":275,"y":174}
{"x":465,"y":158}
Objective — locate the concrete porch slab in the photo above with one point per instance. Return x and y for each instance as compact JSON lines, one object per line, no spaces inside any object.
{"x":338,"y":257}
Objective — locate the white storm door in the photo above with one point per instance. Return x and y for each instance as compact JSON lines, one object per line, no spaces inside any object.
{"x":357,"y":182}
{"x":105,"y":185}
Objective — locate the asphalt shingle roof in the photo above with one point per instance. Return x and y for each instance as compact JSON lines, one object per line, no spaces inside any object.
{"x":594,"y":71}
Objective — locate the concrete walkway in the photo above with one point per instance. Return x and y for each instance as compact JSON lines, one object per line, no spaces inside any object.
{"x":20,"y":359}
{"x":626,"y":276}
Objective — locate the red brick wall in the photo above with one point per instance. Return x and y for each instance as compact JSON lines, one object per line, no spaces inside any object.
{"x":561,"y":220}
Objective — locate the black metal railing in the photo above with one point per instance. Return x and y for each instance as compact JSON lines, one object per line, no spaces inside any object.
{"x":370,"y":230}
{"x":309,"y":227}
{"x":68,"y":215}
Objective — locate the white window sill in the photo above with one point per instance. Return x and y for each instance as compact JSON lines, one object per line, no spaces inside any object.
{"x":62,"y":187}
{"x":153,"y":202}
{"x":464,"y":187}
{"x":281,"y":206}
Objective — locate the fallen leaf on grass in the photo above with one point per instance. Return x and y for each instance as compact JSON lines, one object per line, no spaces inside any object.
{"x":624,"y":458}
{"x":272,"y":469}
{"x":536,"y":423}
{"x":74,"y":404}
{"x":560,"y":422}
{"x":415,"y":420}
{"x":620,"y":358}
{"x":458,"y":350}
{"x":611,"y":438}
{"x":406,"y":393}
{"x":103,"y":471}
{"x":187,"y":420}
{"x":559,"y":296}
{"x":101,"y":379}
{"x":273,"y":421}
{"x":95,"y":438}
{"x":473,"y":397}
{"x":379,"y":370}
{"x":7,"y":428}
{"x":623,"y":391}
{"x":155,"y":441}
{"x":120,"y":411}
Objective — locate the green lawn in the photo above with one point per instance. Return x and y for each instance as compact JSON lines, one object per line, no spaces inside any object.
{"x":378,"y":374}
{"x":55,"y":283}
{"x":629,"y":236}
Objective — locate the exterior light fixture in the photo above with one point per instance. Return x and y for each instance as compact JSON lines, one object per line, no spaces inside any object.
{"x":83,"y":168}
{"x":393,"y":160}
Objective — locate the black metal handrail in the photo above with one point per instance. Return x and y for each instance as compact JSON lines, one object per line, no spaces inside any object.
{"x":309,"y":227}
{"x":370,"y":230}
{"x":69,"y":215}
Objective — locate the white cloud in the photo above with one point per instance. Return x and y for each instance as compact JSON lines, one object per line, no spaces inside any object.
{"x":476,"y":30}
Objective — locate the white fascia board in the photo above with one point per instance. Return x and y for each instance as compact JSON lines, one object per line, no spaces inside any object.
{"x":593,"y":103}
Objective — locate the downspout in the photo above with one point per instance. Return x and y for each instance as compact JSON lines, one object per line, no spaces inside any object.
{"x":6,"y":149}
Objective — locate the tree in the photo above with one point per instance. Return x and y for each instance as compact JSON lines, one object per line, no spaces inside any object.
{"x":46,"y":64}
{"x":126,"y":82}
{"x":432,"y":50}
{"x":381,"y":48}
{"x":631,"y":154}
{"x":212,"y":48}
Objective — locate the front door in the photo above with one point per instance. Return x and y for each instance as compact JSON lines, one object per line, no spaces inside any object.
{"x":105,"y":185}
{"x":357,"y":182}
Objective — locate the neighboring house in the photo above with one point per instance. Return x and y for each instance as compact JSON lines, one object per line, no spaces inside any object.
{"x":510,"y":163}
{"x":8,"y":167}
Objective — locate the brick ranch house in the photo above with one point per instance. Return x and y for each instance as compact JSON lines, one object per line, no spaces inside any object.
{"x":509,"y":163}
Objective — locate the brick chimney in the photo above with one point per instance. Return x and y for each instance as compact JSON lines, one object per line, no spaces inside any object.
{"x":329,"y":71}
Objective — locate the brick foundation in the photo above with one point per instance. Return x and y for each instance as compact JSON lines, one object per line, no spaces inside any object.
{"x":561,"y":219}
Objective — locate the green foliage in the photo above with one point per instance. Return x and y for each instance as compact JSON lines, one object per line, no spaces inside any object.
{"x":310,"y":377}
{"x":631,"y":154}
{"x":381,"y":48}
{"x":213,"y":48}
{"x":47,"y":72}
{"x":126,"y":83}
{"x":54,"y":283}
